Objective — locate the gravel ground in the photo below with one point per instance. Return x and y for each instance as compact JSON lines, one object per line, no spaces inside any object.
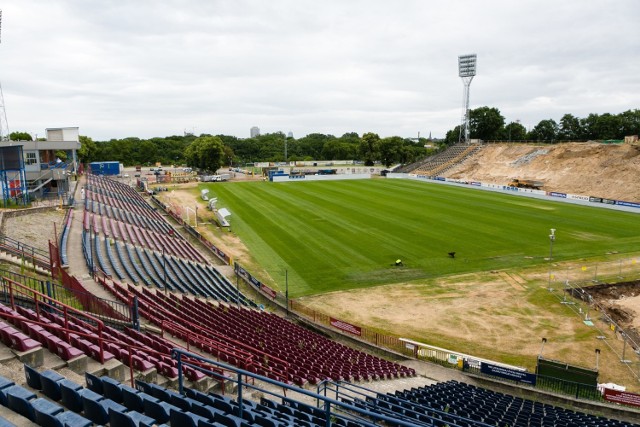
{"x":34,"y":229}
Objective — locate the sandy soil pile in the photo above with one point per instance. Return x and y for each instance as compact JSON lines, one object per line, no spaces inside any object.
{"x":589,"y":169}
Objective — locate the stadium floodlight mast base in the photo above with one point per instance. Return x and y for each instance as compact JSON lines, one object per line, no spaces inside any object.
{"x":544,"y":340}
{"x":466,"y":71}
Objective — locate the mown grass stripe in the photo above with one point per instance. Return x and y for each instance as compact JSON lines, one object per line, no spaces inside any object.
{"x":342,"y":235}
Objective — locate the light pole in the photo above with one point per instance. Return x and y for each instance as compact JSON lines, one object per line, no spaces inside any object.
{"x":544,"y":340}
{"x":597,"y":358}
{"x":466,"y":71}
{"x":552,"y":238}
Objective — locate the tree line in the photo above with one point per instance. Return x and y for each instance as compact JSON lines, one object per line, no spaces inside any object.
{"x":209,"y":152}
{"x":487,"y":124}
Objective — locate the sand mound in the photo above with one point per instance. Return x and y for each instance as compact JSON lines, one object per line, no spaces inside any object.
{"x":589,"y":169}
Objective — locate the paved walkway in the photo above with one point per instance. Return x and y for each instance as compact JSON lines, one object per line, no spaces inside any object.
{"x":77,"y":264}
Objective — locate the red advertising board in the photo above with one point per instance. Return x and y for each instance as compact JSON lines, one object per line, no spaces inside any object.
{"x":622,"y":397}
{"x":347,"y":327}
{"x":268,"y":291}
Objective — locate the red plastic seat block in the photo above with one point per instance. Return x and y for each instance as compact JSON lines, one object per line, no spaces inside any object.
{"x":21,"y":342}
{"x":67,"y":351}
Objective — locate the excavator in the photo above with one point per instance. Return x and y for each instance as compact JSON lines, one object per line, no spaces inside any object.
{"x":526,"y":183}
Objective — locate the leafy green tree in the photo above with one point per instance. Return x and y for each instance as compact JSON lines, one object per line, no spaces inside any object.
{"x":609,"y":126}
{"x":570,"y":128}
{"x":630,"y":122}
{"x":369,"y":148}
{"x":228,"y":155}
{"x":390,"y":150}
{"x":335,"y":149}
{"x":88,"y":149}
{"x":144,"y":152}
{"x":514,"y":131}
{"x":313,"y":144}
{"x":590,"y":126}
{"x":206,"y":153}
{"x":485,"y":123}
{"x":20,"y":136}
{"x":453,"y":136}
{"x":546,"y":130}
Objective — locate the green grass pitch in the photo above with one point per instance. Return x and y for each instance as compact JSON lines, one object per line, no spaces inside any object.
{"x":347,"y":234}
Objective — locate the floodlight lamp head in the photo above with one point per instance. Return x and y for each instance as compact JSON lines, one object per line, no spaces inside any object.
{"x":467,"y":65}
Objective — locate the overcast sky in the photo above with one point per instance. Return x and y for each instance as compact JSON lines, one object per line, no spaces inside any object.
{"x":118,"y":68}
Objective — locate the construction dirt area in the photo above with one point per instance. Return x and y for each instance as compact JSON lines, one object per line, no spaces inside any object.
{"x":589,"y":169}
{"x":497,"y":314}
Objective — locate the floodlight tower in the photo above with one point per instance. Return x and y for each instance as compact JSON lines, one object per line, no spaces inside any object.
{"x":466,"y":71}
{"x":4,"y":125}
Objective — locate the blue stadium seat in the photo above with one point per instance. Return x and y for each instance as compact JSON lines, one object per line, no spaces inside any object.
{"x":129,"y":419}
{"x":184,"y":419}
{"x":157,"y":409}
{"x":33,"y":377}
{"x":16,"y":391}
{"x":96,"y":407}
{"x":112,"y":389}
{"x":228,"y":420}
{"x":5,"y":382}
{"x":50,"y":381}
{"x":20,"y":400}
{"x":44,"y":409}
{"x":71,"y":395}
{"x":94,"y":383}
{"x":203,"y":410}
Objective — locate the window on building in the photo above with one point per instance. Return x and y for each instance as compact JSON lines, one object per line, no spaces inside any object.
{"x":30,"y":159}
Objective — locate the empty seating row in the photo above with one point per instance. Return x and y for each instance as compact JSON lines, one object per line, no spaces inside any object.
{"x":41,"y":410}
{"x":305,"y":356}
{"x":119,"y":190}
{"x":494,"y":408}
{"x":133,"y":203}
{"x":64,"y":239}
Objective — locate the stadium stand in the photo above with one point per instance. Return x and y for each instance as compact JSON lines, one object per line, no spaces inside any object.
{"x":129,"y":224}
{"x":262,"y":342}
{"x":442,"y":161}
{"x":457,"y":403}
{"x":106,"y":401}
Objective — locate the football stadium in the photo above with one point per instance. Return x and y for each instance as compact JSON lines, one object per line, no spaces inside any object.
{"x":421,"y":296}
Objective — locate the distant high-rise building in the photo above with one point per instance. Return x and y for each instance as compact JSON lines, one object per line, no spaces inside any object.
{"x":255,"y":131}
{"x":290,"y":134}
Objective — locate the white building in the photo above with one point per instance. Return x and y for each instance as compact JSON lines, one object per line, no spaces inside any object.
{"x":46,"y":173}
{"x":255,"y":131}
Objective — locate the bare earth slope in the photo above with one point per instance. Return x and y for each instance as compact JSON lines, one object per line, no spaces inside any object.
{"x":590,"y":169}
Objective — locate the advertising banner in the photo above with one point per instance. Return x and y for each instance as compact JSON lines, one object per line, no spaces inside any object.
{"x":508,"y":374}
{"x":623,"y":397}
{"x":268,"y":291}
{"x":556,"y":194}
{"x":578,"y":197}
{"x":344,"y":326}
{"x":630,"y":204}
